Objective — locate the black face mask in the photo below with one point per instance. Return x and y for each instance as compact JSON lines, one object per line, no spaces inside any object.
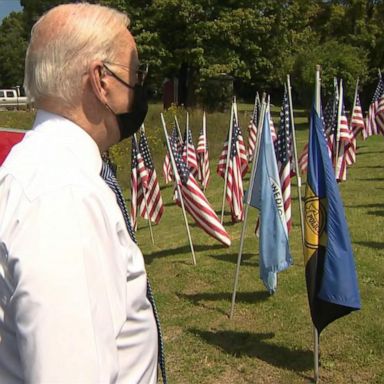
{"x":130,"y":122}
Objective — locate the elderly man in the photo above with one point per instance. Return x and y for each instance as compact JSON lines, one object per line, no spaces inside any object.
{"x":75,"y":305}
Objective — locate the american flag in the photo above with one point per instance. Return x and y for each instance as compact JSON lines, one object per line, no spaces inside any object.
{"x":330,"y":123}
{"x":252,"y":128}
{"x":375,"y":119}
{"x":202,"y":156}
{"x":150,"y":202}
{"x":195,"y":202}
{"x":139,"y":181}
{"x":283,"y":155}
{"x":357,"y":126}
{"x":167,"y":166}
{"x":237,"y":168}
{"x":273,"y":130}
{"x":271,"y":125}
{"x":189,"y":152}
{"x":344,"y":137}
{"x":303,"y":159}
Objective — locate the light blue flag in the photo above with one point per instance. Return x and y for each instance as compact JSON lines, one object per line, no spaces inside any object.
{"x":267,"y":197}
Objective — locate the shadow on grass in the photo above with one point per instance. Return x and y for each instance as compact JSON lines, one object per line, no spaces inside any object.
{"x":376,"y":205}
{"x":370,"y":178}
{"x":256,"y":345}
{"x":368,"y":152}
{"x":376,"y":213}
{"x":232,"y":258}
{"x":170,"y":204}
{"x":149,"y":257}
{"x":301,"y":126}
{"x":165,"y":186}
{"x":371,"y":244}
{"x":199,"y":299}
{"x":241,"y":297}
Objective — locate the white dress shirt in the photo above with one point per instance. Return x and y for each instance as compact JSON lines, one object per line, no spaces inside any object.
{"x":73,"y":306}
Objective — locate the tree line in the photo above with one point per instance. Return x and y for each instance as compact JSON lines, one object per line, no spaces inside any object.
{"x":254,"y":44}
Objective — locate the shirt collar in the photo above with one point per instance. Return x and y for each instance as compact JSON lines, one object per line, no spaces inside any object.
{"x":68,"y":133}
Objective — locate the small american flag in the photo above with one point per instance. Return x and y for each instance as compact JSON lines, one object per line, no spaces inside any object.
{"x":273,"y":130}
{"x":237,"y":168}
{"x":195,"y":202}
{"x":344,"y":137}
{"x":357,"y":126}
{"x":283,"y":155}
{"x":202,"y":156}
{"x":167,"y":166}
{"x":189,"y":152}
{"x":375,"y":119}
{"x":330,"y":123}
{"x":139,"y":181}
{"x":150,"y":202}
{"x":303,"y":159}
{"x":252,"y":128}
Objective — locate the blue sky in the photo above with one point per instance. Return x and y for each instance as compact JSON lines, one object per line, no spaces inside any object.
{"x":7,"y":6}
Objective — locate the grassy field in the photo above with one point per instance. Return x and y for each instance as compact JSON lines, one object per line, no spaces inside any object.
{"x":269,"y":340}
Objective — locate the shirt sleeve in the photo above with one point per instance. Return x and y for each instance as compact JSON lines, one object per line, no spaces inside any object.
{"x":65,"y":277}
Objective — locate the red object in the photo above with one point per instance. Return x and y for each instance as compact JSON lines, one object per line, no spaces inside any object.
{"x":7,"y":140}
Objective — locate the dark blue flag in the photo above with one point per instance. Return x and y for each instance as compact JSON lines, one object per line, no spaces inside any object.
{"x":329,"y":264}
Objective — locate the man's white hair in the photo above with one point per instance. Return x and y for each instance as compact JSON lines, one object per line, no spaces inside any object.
{"x":61,"y":49}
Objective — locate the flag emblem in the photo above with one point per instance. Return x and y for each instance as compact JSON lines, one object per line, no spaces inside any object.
{"x":314,"y":222}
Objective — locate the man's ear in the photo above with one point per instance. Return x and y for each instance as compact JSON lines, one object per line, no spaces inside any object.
{"x":98,"y":80}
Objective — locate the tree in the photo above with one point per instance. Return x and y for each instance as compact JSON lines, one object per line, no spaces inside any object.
{"x":13,"y":46}
{"x":336,"y":60}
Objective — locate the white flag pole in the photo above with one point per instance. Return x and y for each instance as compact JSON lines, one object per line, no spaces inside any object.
{"x":354,"y":102}
{"x":248,"y":200}
{"x":339,"y":110}
{"x":145,"y":194}
{"x":205,"y":144}
{"x":228,"y":156}
{"x":315,"y":333}
{"x":296,"y":159}
{"x":177,"y":181}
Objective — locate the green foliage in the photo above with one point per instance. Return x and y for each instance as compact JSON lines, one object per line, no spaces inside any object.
{"x":256,"y":43}
{"x":12,"y":50}
{"x":336,"y":60}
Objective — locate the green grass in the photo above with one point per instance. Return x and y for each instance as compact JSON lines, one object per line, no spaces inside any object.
{"x":269,"y":340}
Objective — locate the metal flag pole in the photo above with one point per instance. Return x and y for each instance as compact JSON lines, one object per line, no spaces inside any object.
{"x":316,"y":340}
{"x":228,"y":156}
{"x":177,"y":181}
{"x":205,"y":142}
{"x":145,"y":195}
{"x":247,"y":202}
{"x":339,"y":110}
{"x":296,"y":159}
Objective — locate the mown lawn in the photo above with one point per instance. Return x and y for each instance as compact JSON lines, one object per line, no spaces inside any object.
{"x":269,"y":340}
